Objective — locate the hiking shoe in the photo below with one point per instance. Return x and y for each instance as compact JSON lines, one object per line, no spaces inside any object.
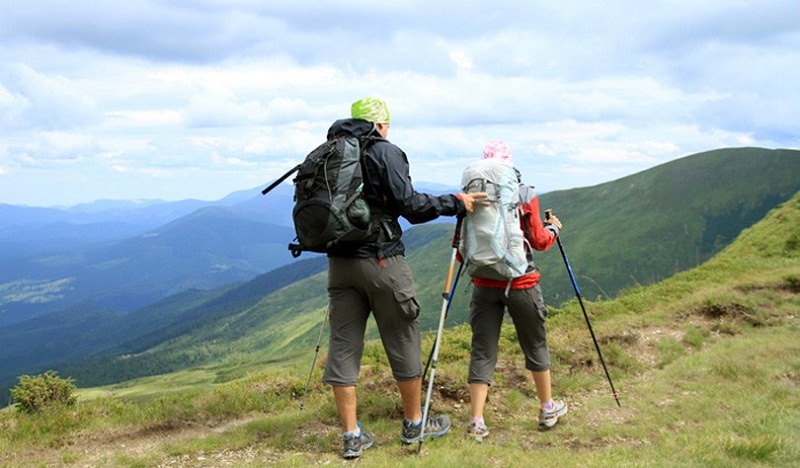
{"x":477,"y":431}
{"x":434,"y":427}
{"x":355,"y":446}
{"x":548,"y":419}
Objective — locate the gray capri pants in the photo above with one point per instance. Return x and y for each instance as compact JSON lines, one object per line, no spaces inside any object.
{"x":357,"y":286}
{"x":527,"y":310}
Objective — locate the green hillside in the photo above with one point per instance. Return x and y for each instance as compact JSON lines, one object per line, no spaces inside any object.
{"x":646,"y":227}
{"x":706,"y":363}
{"x":251,"y":324}
{"x":189,"y":329}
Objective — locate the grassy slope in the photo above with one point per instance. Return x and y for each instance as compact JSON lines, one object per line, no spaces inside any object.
{"x":646,"y":227}
{"x":707,"y":365}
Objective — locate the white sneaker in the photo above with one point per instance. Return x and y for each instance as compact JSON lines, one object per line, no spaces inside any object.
{"x":548,"y":419}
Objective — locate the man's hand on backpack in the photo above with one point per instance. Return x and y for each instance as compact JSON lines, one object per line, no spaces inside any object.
{"x":470,"y":199}
{"x":554,"y":221}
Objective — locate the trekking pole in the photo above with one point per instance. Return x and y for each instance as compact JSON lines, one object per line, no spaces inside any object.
{"x":449,"y":292}
{"x":314,"y":361}
{"x":448,"y":296}
{"x":280,"y":179}
{"x":547,"y":215}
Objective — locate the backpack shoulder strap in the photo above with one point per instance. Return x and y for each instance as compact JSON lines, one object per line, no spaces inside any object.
{"x":369,"y":140}
{"x":526,"y":194}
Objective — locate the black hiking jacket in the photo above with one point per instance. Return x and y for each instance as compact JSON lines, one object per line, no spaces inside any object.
{"x":388,"y":188}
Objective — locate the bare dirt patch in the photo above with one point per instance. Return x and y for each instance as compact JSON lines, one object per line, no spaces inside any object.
{"x":732,"y":311}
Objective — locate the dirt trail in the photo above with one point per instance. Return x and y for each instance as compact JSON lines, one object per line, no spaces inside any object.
{"x":123,"y":448}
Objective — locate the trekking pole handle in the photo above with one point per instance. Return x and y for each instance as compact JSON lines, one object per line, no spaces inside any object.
{"x":280,"y":179}
{"x":457,"y":233}
{"x":547,"y":214}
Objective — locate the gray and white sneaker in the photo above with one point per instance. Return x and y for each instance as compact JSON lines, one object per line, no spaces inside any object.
{"x":477,"y":432}
{"x":548,"y":419}
{"x":355,"y":446}
{"x":434,"y":427}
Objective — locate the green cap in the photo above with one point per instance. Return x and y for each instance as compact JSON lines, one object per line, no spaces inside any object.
{"x":371,"y":109}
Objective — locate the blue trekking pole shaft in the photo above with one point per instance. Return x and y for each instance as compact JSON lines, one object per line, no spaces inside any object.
{"x":449,"y":292}
{"x":547,"y":215}
{"x":448,"y":296}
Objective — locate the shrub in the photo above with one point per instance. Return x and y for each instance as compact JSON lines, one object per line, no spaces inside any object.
{"x":793,"y":283}
{"x":33,"y":393}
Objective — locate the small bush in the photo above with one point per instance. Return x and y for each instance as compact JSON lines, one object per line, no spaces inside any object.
{"x":33,"y":393}
{"x":793,"y":243}
{"x":793,"y":283}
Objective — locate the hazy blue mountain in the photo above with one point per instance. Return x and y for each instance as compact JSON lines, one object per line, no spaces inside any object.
{"x":51,"y":229}
{"x":208,"y":248}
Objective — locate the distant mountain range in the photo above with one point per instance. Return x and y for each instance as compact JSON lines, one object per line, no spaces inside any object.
{"x":113,"y":291}
{"x":125,"y":255}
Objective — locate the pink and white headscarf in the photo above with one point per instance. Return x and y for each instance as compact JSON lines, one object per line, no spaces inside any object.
{"x":498,"y":149}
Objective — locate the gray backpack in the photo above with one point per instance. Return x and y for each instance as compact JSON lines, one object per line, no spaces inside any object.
{"x":330,"y":208}
{"x":493,"y":244}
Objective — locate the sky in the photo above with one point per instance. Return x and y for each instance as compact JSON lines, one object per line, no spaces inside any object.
{"x":177,"y":99}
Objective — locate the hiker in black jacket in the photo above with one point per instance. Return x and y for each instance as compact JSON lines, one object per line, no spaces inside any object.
{"x":374,"y":277}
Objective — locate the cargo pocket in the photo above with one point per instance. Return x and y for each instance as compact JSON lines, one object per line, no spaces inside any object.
{"x":538,"y":299}
{"x":407,"y":302}
{"x":542,"y":310}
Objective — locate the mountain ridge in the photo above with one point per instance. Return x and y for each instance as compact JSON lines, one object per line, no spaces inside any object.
{"x":618,"y":237}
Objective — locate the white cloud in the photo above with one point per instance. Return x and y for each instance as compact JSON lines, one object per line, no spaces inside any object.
{"x":44,"y":101}
{"x":161,"y":99}
{"x":144,"y":118}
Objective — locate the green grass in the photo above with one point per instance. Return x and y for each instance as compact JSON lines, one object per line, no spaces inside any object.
{"x":706,"y":365}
